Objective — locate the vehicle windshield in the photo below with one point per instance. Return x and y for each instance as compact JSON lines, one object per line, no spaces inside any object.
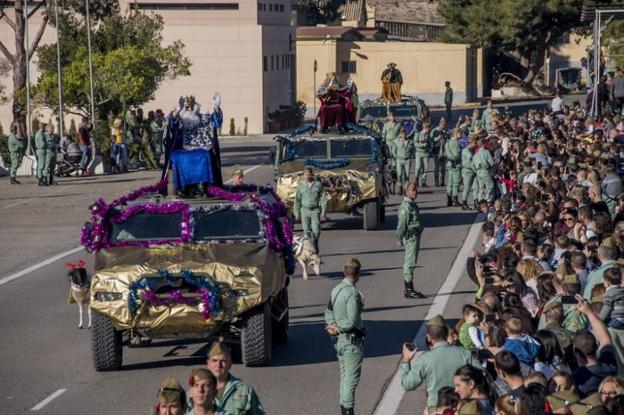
{"x":147,"y":226}
{"x":380,"y":111}
{"x":404,"y":111}
{"x":226,"y":224}
{"x":306,"y":149}
{"x":350,"y":148}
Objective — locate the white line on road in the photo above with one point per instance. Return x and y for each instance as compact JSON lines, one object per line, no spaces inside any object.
{"x":62,"y":255}
{"x":48,"y":400}
{"x":42,"y":264}
{"x":389,"y":403}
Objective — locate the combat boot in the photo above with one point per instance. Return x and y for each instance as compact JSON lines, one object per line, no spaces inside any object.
{"x":456,"y":201}
{"x":51,"y":180}
{"x":346,"y":411}
{"x":409,"y":291}
{"x":13,"y":181}
{"x":465,"y":206}
{"x":449,"y":201}
{"x":437,"y":182}
{"x":442,"y":182}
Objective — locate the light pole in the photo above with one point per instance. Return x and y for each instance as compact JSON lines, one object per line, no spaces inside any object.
{"x":314,"y":92}
{"x":91,"y":75}
{"x":27,"y":46}
{"x":58,"y":68}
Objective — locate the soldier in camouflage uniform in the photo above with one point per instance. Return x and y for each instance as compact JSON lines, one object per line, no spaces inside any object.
{"x":408,"y":234}
{"x":452,"y":153}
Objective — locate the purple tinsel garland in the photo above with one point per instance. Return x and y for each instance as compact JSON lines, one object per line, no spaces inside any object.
{"x":96,"y":236}
{"x":177,"y":298}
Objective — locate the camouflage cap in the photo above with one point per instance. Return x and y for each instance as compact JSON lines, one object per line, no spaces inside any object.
{"x":562,"y":399}
{"x":470,"y":408}
{"x":218,"y":348}
{"x":198,"y":375}
{"x":170,"y":391}
{"x":437,"y":320}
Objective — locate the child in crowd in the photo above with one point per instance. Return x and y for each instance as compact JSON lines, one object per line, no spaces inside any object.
{"x":470,"y":335}
{"x":612,"y":312}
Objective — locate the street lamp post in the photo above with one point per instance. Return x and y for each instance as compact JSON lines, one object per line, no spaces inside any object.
{"x":27,"y":46}
{"x":91,"y":74}
{"x":314,"y":92}
{"x":58,"y":69}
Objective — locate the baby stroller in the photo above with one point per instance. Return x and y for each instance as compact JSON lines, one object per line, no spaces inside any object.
{"x":67,"y":163}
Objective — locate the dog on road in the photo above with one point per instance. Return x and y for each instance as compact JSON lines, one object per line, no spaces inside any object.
{"x":79,"y":285}
{"x":307,"y":255}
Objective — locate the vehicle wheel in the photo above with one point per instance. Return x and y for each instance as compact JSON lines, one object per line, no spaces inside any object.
{"x":256,"y":337}
{"x":106,"y":344}
{"x":280,"y":328}
{"x":371,"y":216}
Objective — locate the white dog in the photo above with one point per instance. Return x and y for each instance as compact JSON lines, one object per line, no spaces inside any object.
{"x":79,"y":289}
{"x":306,"y":255}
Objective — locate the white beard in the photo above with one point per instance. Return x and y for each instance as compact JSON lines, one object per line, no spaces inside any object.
{"x":190,"y":119}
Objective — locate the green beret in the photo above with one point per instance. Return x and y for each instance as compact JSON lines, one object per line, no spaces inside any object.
{"x":436,"y":321}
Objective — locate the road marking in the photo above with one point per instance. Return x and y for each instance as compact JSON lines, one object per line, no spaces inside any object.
{"x":391,"y":399}
{"x":48,"y":400}
{"x":30,"y":198}
{"x":42,"y":264}
{"x":62,"y":255}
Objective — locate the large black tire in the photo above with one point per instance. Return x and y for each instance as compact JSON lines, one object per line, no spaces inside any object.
{"x":280,"y":327}
{"x":106,"y":344}
{"x":256,"y":337}
{"x":371,"y":216}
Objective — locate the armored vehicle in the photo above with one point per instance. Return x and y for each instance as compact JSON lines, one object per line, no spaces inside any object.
{"x":410,"y":111}
{"x":349,"y":166}
{"x":214,"y":266}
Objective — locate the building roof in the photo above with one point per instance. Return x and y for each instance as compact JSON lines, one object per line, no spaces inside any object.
{"x":417,"y":11}
{"x":353,"y":10}
{"x":328,"y":32}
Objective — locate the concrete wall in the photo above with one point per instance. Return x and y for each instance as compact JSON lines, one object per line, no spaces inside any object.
{"x":425,"y":67}
{"x":567,"y":55}
{"x":226,"y":48}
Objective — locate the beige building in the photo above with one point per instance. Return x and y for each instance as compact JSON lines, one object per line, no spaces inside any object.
{"x":363,"y":53}
{"x":245,"y":49}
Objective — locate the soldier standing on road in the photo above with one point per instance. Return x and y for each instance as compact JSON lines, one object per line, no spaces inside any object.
{"x":309,"y":205}
{"x":452,"y":152}
{"x":40,"y":151}
{"x":439,"y":137}
{"x":421,"y":143}
{"x":469,"y":174}
{"x":16,"y":152}
{"x":343,"y":319}
{"x":437,"y":366}
{"x":52,"y":147}
{"x":233,"y":395}
{"x":408,"y":234}
{"x":448,"y":101}
{"x":403,"y":154}
{"x":483,"y":162}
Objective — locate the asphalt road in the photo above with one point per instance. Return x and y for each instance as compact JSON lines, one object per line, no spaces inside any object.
{"x":46,"y":361}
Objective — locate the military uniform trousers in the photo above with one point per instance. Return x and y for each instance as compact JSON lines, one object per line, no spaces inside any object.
{"x":469,"y":184}
{"x":420,"y":165}
{"x":454,"y":180}
{"x":350,"y":356}
{"x":16,"y":161}
{"x":311,"y":223}
{"x":403,"y":167}
{"x":438,"y":169}
{"x":147,"y":155}
{"x":50,"y":163}
{"x":412,"y":248}
{"x":484,"y":179}
{"x":41,"y":163}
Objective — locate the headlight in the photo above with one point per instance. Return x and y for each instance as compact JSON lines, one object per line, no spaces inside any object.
{"x":103,"y":296}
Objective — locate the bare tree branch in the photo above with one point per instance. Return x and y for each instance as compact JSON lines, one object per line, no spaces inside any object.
{"x":38,"y":36}
{"x":8,"y":20}
{"x":37,"y":7}
{"x":10,"y":57}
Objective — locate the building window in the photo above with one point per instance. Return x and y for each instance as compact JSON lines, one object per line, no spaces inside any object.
{"x":185,"y":6}
{"x":349,"y":67}
{"x":265,"y":63}
{"x":272,"y":62}
{"x":270,"y":7}
{"x":277,"y":66}
{"x":281,"y":6}
{"x":259,"y":7}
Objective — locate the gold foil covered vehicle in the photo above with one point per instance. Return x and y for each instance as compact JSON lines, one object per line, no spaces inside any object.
{"x":190,"y":268}
{"x":350,"y":168}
